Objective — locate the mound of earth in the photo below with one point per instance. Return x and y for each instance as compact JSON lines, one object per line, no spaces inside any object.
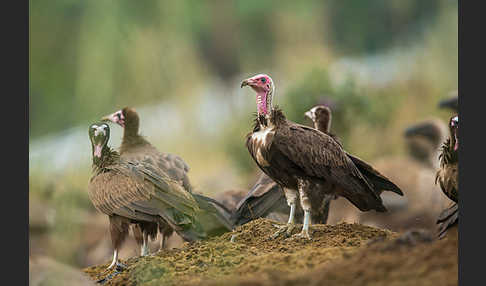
{"x":336,"y":255}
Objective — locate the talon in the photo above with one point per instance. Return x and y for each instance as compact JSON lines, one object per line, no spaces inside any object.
{"x":287,"y":229}
{"x":303,"y":234}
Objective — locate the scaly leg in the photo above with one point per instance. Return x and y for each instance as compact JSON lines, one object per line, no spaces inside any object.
{"x":306,"y":206}
{"x":145,"y":248}
{"x":115,"y":262}
{"x":291,"y":196}
{"x":163,"y":240}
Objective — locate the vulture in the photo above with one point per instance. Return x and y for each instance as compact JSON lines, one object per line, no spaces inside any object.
{"x":137,"y":192}
{"x":304,"y":161}
{"x":136,"y":147}
{"x":452,"y":102}
{"x":266,"y":197}
{"x":448,"y":177}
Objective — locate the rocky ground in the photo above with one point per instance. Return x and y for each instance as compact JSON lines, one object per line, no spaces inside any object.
{"x":343,"y":254}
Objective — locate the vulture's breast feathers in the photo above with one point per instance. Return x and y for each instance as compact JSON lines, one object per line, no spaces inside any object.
{"x":259,"y":142}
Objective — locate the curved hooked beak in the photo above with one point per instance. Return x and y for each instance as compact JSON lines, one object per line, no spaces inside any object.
{"x":248,"y":81}
{"x":115,"y":118}
{"x":309,"y":115}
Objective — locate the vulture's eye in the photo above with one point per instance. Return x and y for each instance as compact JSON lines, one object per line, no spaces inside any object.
{"x":263,"y":79}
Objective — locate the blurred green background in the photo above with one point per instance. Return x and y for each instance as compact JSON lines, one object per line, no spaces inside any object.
{"x":381,"y":65}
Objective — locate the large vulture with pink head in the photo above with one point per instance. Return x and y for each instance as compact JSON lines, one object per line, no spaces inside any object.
{"x":307,"y":163}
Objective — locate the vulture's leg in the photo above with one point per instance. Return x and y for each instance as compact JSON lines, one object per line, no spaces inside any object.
{"x":291,"y":196}
{"x":145,"y":248}
{"x":119,"y":231}
{"x":306,"y":206}
{"x":321,"y":216}
{"x":163,"y":241}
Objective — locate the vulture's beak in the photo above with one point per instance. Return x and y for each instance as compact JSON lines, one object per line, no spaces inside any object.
{"x":116,"y":117}
{"x":110,"y":117}
{"x":309,"y":115}
{"x":248,"y":81}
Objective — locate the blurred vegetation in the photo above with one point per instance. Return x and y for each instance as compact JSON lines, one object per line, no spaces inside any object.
{"x":90,"y":58}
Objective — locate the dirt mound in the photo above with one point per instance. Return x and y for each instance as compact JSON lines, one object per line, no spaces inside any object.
{"x":343,"y":254}
{"x":412,"y":259}
{"x":251,"y":254}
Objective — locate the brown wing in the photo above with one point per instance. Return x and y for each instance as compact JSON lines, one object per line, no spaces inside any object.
{"x":379,"y":182}
{"x":137,"y":192}
{"x":319,"y":155}
{"x":265,"y":197}
{"x":172,"y":165}
{"x":447,"y":176}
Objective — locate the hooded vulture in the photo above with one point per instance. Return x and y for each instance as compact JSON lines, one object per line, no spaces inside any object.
{"x":304,"y":161}
{"x":448,"y":177}
{"x":266,"y":197}
{"x":136,"y":147}
{"x":137,"y":192}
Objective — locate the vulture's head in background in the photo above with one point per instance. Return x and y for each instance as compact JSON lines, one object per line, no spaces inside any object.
{"x":320,"y":113}
{"x":423,"y":140}
{"x":126,"y":118}
{"x":99,"y":134}
{"x":263,"y":85}
{"x":454,"y":128}
{"x":452,"y":102}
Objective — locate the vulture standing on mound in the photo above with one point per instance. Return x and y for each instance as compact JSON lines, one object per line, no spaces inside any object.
{"x":448,"y":177}
{"x":136,"y":147}
{"x":266,"y":196}
{"x":137,"y":192}
{"x":304,"y":161}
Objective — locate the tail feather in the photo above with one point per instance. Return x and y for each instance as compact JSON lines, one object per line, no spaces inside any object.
{"x":380,"y":182}
{"x":447,"y":219}
{"x":252,"y":207}
{"x":214,"y":217}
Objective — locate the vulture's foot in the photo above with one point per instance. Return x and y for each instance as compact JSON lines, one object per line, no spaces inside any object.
{"x":303,"y":234}
{"x":287,"y":229}
{"x":118,"y":266}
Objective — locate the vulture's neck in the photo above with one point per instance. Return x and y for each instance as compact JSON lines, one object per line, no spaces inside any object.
{"x":131,"y":139}
{"x":274,"y":117}
{"x":448,"y":155}
{"x":323,"y":125}
{"x":108,"y":158}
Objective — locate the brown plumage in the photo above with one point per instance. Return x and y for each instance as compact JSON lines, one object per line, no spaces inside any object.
{"x":303,"y":160}
{"x":267,"y":197}
{"x":448,"y":177}
{"x":448,"y":174}
{"x":448,"y":218}
{"x":135,"y":147}
{"x":136,"y":192}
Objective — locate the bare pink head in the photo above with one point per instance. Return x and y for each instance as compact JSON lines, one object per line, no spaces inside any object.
{"x":262,"y":84}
